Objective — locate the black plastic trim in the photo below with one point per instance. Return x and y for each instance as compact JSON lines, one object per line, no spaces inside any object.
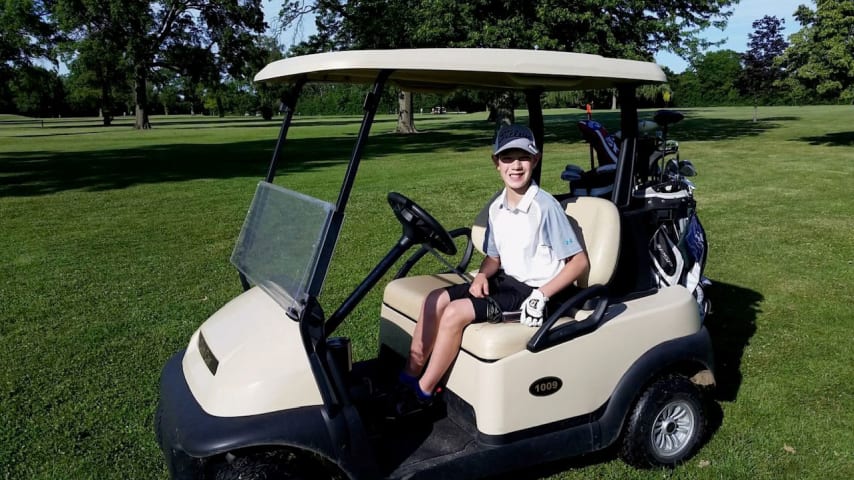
{"x":185,"y":431}
{"x":207,"y":355}
{"x":546,"y":336}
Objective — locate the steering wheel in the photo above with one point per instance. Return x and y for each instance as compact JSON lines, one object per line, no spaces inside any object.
{"x":419,"y":226}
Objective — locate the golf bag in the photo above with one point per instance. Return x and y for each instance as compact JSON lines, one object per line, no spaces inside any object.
{"x":678,"y":246}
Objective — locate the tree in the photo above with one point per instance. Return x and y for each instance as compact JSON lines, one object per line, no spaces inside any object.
{"x":203,"y":39}
{"x":821,"y":55}
{"x":629,"y":29}
{"x":761,"y":69}
{"x":26,"y":35}
{"x":361,"y":24}
{"x":36,"y":91}
{"x":717,"y":74}
{"x":97,"y":64}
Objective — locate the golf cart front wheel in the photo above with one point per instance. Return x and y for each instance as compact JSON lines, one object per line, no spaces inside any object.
{"x":666,"y":425}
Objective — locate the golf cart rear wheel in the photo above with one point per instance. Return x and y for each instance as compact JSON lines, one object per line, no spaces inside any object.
{"x":667,"y":424}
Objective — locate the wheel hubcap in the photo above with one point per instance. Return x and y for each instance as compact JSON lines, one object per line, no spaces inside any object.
{"x":673,"y":428}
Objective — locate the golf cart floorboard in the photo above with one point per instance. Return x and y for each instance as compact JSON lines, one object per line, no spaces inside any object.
{"x":423,"y":440}
{"x":419,"y":443}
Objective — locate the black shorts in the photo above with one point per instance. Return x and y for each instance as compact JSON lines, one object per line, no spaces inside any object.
{"x":506,"y":295}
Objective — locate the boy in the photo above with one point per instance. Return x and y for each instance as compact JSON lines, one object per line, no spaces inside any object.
{"x":532,"y":254}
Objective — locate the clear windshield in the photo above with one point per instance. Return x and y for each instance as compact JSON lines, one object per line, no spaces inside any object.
{"x":281,"y":243}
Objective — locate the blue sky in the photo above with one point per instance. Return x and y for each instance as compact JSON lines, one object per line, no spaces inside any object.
{"x":739,"y":26}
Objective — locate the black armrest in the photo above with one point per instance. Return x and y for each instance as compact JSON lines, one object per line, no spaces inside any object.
{"x":546,"y":336}
{"x":461,"y":267}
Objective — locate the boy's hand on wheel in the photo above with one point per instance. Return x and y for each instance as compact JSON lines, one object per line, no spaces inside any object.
{"x":533,"y":309}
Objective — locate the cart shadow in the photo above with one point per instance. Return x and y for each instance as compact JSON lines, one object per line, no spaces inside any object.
{"x":731,"y":324}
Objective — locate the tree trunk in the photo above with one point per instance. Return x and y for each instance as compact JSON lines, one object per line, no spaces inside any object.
{"x":405,"y":115}
{"x":614,"y":100}
{"x":501,"y":109}
{"x":141,"y":121}
{"x":219,"y":110}
{"x":755,"y":108}
{"x":106,"y":101}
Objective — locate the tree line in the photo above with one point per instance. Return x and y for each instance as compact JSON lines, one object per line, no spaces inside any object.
{"x":199,"y":56}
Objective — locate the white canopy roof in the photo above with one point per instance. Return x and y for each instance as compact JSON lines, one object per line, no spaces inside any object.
{"x":449,"y":68}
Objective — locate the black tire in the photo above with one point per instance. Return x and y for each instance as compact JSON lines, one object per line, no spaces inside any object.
{"x":269,"y":465}
{"x":666,"y":426}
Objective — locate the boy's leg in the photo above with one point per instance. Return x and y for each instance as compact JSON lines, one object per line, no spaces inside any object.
{"x":457,"y":315}
{"x":424,"y":336}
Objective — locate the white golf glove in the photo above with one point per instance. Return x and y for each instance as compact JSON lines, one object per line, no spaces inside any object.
{"x":533,"y":309}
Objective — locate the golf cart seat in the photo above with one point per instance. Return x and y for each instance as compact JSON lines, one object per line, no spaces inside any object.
{"x":598,"y":181}
{"x":597,"y":223}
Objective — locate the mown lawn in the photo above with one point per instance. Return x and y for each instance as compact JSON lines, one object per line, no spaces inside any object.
{"x":114,"y":246}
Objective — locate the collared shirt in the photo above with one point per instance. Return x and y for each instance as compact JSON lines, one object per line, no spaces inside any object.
{"x":532,"y":240}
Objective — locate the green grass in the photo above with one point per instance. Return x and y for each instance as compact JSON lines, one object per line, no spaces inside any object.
{"x":114,"y":247}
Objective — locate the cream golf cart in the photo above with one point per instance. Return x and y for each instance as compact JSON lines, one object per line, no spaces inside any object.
{"x":266,"y":389}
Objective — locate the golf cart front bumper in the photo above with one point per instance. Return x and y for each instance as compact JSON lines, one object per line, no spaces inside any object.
{"x":189,"y":437}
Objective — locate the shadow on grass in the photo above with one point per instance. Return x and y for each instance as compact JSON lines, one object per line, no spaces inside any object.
{"x":29,"y":173}
{"x":837,"y":139}
{"x":44,"y":172}
{"x":564,"y":129}
{"x":122,"y":123}
{"x":731,"y":324}
{"x":552,"y":469}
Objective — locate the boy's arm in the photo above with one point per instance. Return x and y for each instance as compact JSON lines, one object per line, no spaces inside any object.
{"x":480,"y":285}
{"x":575,"y":266}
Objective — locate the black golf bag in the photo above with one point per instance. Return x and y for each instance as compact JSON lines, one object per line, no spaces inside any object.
{"x":678,"y":246}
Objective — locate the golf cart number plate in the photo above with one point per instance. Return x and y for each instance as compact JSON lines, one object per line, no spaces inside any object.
{"x":545,"y":386}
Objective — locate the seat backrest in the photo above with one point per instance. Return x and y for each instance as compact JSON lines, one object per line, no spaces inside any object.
{"x":596,"y":222}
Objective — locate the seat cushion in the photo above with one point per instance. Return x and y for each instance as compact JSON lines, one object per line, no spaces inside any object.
{"x":487,"y":341}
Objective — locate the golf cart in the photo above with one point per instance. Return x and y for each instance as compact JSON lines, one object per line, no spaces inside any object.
{"x":266,"y":389}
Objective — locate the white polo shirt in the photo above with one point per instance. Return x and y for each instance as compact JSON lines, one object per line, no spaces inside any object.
{"x":533,"y":240}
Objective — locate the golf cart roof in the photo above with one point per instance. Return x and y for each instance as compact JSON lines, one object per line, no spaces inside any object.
{"x":431,"y":69}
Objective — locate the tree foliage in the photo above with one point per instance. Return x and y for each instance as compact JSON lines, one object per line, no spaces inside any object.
{"x":820,"y":58}
{"x":183,"y":56}
{"x":26,"y":35}
{"x":711,"y":80}
{"x":628,"y":28}
{"x":202,"y":40}
{"x":35,"y":91}
{"x":761,"y":70}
